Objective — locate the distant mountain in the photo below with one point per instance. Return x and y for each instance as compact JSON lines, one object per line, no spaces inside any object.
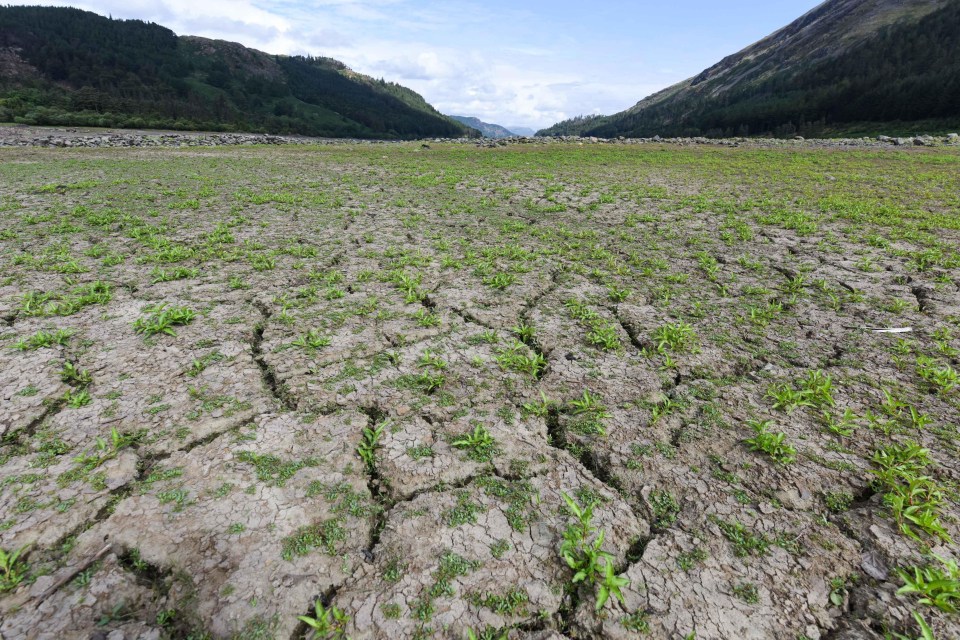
{"x":70,"y":67}
{"x":522,"y":131}
{"x":488,"y":130}
{"x":847,"y":66}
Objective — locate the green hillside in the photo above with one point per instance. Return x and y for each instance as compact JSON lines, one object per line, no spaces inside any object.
{"x":65,"y":66}
{"x":847,"y":67}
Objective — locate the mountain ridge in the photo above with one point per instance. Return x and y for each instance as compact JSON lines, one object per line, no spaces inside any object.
{"x":488,"y":129}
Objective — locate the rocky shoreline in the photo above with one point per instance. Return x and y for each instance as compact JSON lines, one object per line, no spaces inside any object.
{"x":68,"y":137}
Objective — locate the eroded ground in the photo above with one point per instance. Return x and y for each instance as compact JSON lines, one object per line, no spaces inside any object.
{"x":237,"y":382}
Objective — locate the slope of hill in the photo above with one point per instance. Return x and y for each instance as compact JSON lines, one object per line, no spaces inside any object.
{"x":488,"y":130}
{"x":67,"y":66}
{"x":847,"y":66}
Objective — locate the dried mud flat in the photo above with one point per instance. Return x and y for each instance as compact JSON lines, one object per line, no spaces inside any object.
{"x":239,"y":382}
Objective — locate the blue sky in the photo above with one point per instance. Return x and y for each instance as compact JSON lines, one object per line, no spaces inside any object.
{"x":512,"y":63}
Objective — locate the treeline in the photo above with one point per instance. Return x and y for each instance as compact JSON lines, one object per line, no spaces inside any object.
{"x":85,"y":69}
{"x":574,"y":126}
{"x":904,"y":78}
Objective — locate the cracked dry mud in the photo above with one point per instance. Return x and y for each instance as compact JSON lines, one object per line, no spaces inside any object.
{"x":406,"y":366}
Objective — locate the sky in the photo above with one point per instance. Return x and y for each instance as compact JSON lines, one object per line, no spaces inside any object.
{"x":513,"y":63}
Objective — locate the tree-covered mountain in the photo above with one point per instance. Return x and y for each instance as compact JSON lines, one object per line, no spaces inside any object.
{"x":488,"y":130}
{"x":70,"y":67}
{"x":846,"y":67}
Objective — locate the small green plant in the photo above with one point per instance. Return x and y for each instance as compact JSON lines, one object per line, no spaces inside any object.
{"x":838,"y":591}
{"x":591,"y":412}
{"x":488,"y":633}
{"x":665,"y":508}
{"x":636,"y":622}
{"x":480,"y":445}
{"x":104,"y":451}
{"x":429,"y":382}
{"x":180,"y":273}
{"x":795,"y":285}
{"x":913,"y":499}
{"x":420,"y":451}
{"x":394,"y":570}
{"x":162,"y":320}
{"x":816,"y":390}
{"x":747,"y":591}
{"x":312,"y":340}
{"x":44,"y":339}
{"x":432,"y":360}
{"x":689,"y":559}
{"x":74,"y":375}
{"x":409,"y":285}
{"x":941,"y":378}
{"x":261,"y":262}
{"x":334,"y":293}
{"x":936,"y":586}
{"x":745,"y":542}
{"x":787,"y":398}
{"x":13,"y":568}
{"x":518,"y":357}
{"x":617,"y":295}
{"x":427,"y":318}
{"x":540,"y":408}
{"x":500,"y":281}
{"x":590,"y":564}
{"x":368,"y":445}
{"x":589,"y":403}
{"x":77,"y":398}
{"x":604,"y":336}
{"x":842,"y":426}
{"x":610,"y":585}
{"x":926,"y":633}
{"x":512,"y":602}
{"x":819,"y":387}
{"x":773,"y":444}
{"x":525,"y":332}
{"x":675,"y":337}
{"x":326,"y":623}
{"x":838,"y":501}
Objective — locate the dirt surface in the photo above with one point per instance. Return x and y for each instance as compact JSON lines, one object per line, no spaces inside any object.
{"x":543,"y":392}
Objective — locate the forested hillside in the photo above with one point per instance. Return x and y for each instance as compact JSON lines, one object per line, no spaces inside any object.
{"x":67,"y":66}
{"x":846,"y":67}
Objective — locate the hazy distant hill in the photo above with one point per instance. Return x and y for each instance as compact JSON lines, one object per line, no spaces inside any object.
{"x":67,"y":66}
{"x":521,"y":131}
{"x":846,"y":66}
{"x":488,"y":130}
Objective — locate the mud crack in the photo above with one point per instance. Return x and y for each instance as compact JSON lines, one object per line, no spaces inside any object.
{"x":922,"y":294}
{"x":532,"y":303}
{"x":277,"y":389}
{"x":631,"y":331}
{"x":466,"y":316}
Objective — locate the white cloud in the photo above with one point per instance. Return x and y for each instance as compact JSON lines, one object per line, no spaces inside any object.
{"x":430,"y":49}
